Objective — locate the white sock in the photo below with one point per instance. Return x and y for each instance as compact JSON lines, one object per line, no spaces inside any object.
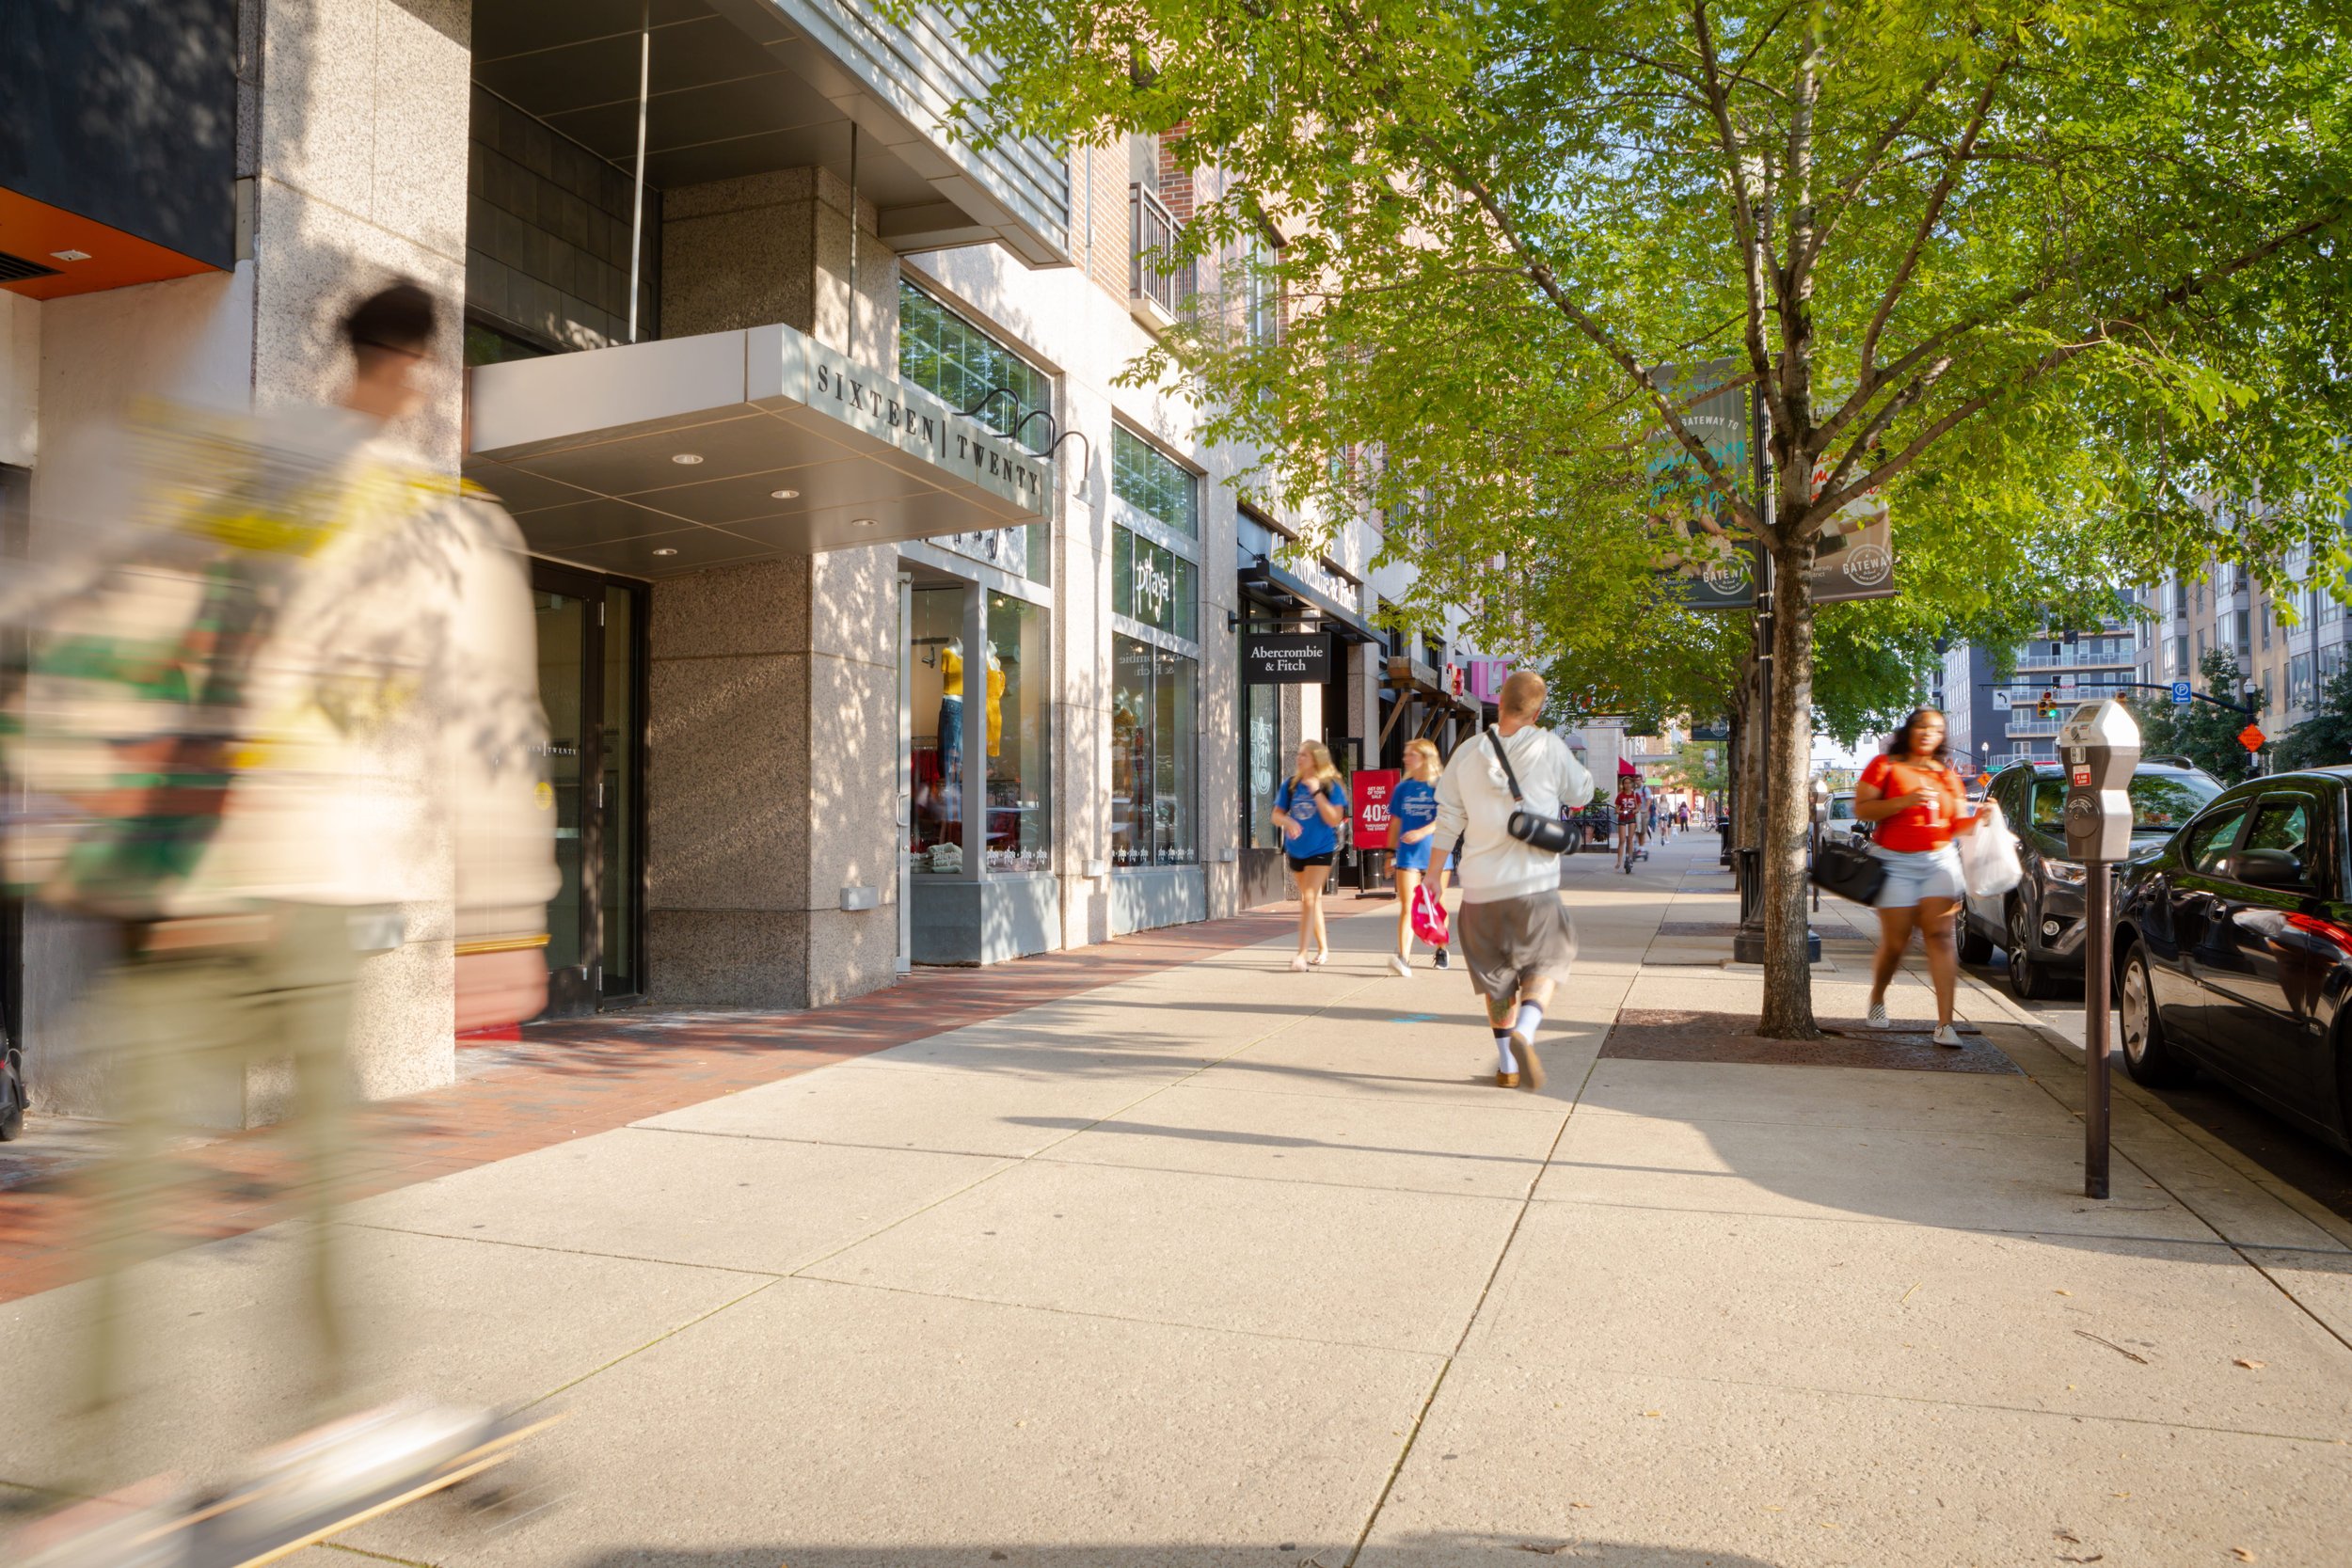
{"x":1504,"y":1061}
{"x":1529,"y":1019}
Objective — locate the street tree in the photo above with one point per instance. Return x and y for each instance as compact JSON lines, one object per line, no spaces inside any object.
{"x":2049,"y":278}
{"x":2207,"y":733}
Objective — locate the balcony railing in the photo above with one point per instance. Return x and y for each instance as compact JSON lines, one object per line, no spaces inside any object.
{"x":1155,"y":274}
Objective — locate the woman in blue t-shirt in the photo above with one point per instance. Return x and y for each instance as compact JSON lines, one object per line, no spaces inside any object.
{"x":1412,"y":828}
{"x":1309,"y":808}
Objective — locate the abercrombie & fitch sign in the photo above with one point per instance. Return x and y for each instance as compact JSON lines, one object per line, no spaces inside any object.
{"x":1285,"y":658}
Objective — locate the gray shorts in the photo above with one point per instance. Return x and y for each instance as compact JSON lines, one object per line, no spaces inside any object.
{"x":1915,"y":874}
{"x":1513,"y":941}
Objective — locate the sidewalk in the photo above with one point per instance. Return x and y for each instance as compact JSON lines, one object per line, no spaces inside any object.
{"x":1215,"y":1263}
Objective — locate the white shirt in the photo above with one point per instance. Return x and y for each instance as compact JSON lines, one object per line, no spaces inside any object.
{"x":1475,"y":803}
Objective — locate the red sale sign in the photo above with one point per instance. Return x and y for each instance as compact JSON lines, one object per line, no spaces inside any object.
{"x":1368,"y":791}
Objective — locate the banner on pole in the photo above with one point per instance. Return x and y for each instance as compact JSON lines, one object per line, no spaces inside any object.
{"x":1854,"y":556}
{"x":1704,"y":559}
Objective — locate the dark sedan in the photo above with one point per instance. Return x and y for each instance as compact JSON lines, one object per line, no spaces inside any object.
{"x":2234,"y":949}
{"x":2040,"y":922}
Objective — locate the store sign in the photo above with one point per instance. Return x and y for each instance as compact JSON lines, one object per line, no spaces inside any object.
{"x":1369,"y":793}
{"x":1285,"y":658}
{"x":1004,"y":548}
{"x":1486,"y":676}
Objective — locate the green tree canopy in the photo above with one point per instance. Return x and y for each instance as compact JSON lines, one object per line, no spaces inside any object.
{"x":2064,"y":282}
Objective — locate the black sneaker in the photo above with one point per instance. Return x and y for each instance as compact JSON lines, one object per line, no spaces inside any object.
{"x":1442,"y":961}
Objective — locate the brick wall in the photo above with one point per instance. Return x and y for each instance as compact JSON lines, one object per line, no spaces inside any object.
{"x":1175,"y":191}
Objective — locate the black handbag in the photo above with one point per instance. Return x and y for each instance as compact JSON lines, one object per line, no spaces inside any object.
{"x":1849,"y":871}
{"x":1547,"y":833}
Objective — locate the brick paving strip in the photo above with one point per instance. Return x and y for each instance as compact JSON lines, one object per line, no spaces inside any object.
{"x":573,"y":1077}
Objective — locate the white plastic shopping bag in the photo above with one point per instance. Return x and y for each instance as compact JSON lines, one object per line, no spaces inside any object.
{"x":1988,"y":856}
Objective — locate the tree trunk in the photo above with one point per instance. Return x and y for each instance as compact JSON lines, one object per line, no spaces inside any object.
{"x":1788,"y":808}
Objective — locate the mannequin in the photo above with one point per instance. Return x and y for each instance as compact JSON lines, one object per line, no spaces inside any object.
{"x":951,"y":713}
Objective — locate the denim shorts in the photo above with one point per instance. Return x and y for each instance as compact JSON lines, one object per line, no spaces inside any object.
{"x":1915,"y":874}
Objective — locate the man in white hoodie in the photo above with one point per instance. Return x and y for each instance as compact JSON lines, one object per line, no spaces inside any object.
{"x":1513,"y":930}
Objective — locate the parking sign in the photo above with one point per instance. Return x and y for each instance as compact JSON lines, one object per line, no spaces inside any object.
{"x":2181,"y":695}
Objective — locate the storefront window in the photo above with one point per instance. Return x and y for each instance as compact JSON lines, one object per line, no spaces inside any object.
{"x":1261,"y":765}
{"x":937,"y":691}
{"x":1020,"y":680}
{"x":1153,"y":482}
{"x":1155,"y":720}
{"x":1152,"y":584}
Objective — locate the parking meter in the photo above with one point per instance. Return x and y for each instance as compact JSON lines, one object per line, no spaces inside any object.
{"x":2099,"y":745}
{"x":2099,"y":748}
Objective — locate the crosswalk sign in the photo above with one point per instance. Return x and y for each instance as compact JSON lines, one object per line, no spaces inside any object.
{"x":2181,"y":695}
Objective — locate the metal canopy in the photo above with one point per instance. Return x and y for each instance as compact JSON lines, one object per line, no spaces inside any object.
{"x":739,"y":87}
{"x":1279,"y":583}
{"x":661,"y":458}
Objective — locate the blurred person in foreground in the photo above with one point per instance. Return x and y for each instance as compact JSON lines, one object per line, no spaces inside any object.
{"x":283,"y":670}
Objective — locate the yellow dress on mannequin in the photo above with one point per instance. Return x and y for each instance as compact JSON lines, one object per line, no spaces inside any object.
{"x":995,"y":706}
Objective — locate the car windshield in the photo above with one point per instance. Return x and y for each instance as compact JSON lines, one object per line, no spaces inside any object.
{"x":2160,"y":802}
{"x":1841,"y":808}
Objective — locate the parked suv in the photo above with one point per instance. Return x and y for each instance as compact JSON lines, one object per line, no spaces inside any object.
{"x":2040,"y":922}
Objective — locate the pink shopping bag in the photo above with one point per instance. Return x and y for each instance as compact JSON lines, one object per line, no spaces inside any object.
{"x":1429,"y":921}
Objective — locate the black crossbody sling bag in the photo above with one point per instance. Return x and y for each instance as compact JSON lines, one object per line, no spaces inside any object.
{"x":1547,"y":833}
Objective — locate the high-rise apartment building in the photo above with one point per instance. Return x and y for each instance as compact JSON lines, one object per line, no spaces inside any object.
{"x":2192,"y":614}
{"x":880,"y":622}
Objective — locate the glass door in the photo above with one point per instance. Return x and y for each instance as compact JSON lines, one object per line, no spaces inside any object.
{"x":591,"y":686}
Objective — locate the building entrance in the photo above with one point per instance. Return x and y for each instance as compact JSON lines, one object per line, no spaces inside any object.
{"x":591,"y":678}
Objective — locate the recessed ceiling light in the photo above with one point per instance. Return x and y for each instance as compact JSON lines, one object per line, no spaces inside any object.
{"x":666,"y":549}
{"x":689,"y":458}
{"x":863,"y":522}
{"x":69,"y":255}
{"x":785,"y":495}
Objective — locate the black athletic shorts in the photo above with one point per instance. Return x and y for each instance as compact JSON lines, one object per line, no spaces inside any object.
{"x":1302,"y":862}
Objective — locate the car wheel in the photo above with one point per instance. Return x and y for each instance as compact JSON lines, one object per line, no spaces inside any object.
{"x":2028,"y":979}
{"x":1975,"y":946}
{"x":2149,"y":1055}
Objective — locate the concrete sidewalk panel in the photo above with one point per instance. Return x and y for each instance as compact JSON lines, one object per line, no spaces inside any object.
{"x":1668,"y":1472}
{"x":1490,"y":1151}
{"x":683,"y":1197}
{"x":1819,"y":1097}
{"x":219,"y":1343}
{"x":2135,"y":1330}
{"x":826,"y":1426}
{"x":1350,"y":1265}
{"x":960,"y":1111}
{"x":1962,"y":1179}
{"x":2319,"y":1282}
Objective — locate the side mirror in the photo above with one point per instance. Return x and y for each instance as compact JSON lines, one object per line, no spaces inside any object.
{"x":2271,"y":868}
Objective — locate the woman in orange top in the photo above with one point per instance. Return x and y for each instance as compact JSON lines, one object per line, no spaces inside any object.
{"x":1918,"y":801}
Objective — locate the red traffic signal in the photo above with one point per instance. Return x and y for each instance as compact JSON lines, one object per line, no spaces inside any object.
{"x":2251,"y":738}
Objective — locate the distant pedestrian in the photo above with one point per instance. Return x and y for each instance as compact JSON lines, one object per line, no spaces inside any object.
{"x":1513,"y":930}
{"x":1682,"y":817}
{"x":1308,"y":809}
{"x":1413,"y":832}
{"x":1628,"y":822}
{"x":1918,"y":804}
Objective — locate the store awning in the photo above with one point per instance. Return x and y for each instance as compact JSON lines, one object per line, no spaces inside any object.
{"x":1275,"y":583}
{"x":659,"y":458}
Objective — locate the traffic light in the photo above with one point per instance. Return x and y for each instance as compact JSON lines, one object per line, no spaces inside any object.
{"x":2049,"y":708}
